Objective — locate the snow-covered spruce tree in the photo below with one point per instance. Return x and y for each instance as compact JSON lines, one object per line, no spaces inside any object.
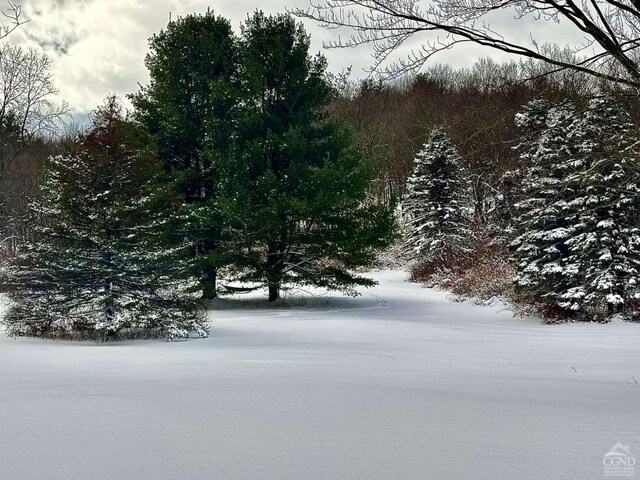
{"x":436,"y":206}
{"x":577,"y":246}
{"x":550,"y":153}
{"x":605,"y":248}
{"x":95,"y":269}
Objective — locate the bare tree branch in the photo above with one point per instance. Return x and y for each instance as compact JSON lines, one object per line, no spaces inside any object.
{"x":13,"y":15}
{"x":27,"y":93}
{"x":611,"y":29}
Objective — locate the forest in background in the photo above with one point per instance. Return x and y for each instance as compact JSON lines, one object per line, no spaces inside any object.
{"x":477,"y":107}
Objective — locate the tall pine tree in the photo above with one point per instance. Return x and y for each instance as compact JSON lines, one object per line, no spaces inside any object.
{"x":95,"y":268}
{"x":295,"y":206}
{"x":188,"y":107}
{"x":605,"y":248}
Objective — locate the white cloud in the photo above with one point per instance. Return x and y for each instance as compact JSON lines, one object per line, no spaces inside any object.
{"x":98,"y":46}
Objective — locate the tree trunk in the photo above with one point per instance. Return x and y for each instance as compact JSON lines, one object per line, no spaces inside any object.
{"x":274,"y":271}
{"x":274,"y":291}
{"x":209,"y":284}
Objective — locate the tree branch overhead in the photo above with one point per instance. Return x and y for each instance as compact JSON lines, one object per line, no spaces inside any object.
{"x":611,"y":29}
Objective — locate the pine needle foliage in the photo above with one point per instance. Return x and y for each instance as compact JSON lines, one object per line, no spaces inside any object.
{"x":95,"y":268}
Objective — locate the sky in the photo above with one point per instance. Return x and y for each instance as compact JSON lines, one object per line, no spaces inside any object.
{"x":98,"y":46}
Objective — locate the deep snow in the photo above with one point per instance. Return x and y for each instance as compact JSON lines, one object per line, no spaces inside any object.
{"x":397,"y":384}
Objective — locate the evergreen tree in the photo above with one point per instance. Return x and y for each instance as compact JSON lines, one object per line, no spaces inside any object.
{"x":509,"y":192}
{"x":550,"y":153}
{"x":95,"y":269}
{"x":436,"y":206}
{"x":578,"y":239}
{"x":295,"y":204}
{"x":605,"y":248}
{"x":188,"y":107}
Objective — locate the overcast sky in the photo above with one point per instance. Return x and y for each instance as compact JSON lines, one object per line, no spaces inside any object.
{"x":98,"y":46}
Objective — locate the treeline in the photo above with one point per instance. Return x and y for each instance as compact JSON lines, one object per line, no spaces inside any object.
{"x":477,"y":105}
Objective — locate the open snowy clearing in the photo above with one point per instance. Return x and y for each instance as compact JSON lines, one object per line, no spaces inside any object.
{"x":399,"y":383}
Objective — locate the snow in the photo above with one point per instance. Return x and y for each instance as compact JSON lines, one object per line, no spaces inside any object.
{"x":399,"y":383}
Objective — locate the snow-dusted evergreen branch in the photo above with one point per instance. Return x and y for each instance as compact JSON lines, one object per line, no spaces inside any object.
{"x":579,"y":240}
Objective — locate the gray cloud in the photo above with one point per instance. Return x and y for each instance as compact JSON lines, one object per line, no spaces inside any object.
{"x":98,"y":46}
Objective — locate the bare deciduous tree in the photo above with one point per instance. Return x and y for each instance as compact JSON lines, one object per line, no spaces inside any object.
{"x":27,"y":93}
{"x":610,"y":28}
{"x":30,"y":121}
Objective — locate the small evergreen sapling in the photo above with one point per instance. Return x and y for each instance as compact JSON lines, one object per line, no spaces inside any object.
{"x":95,"y":268}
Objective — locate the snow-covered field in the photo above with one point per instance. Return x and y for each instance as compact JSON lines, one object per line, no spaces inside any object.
{"x":397,"y":384}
